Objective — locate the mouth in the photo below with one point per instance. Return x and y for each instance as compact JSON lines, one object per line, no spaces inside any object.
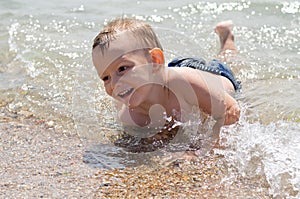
{"x":125,"y":93}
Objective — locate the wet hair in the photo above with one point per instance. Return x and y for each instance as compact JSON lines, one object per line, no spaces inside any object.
{"x":142,"y":31}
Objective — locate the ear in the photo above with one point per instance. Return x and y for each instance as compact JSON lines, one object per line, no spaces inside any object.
{"x":157,"y":56}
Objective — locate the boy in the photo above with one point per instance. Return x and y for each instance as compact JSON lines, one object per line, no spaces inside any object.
{"x":129,"y":59}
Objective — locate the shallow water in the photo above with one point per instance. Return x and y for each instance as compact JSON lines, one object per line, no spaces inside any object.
{"x":45,"y":68}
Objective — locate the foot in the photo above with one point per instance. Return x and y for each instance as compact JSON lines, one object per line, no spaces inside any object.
{"x":224,"y":31}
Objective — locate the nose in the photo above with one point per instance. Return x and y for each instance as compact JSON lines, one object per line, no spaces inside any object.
{"x":114,"y":81}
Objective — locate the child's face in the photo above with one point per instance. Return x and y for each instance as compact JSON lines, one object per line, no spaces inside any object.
{"x":126,"y":68}
{"x":124,"y":75}
{"x":121,"y":72}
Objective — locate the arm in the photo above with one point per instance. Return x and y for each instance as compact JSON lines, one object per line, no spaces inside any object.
{"x":212,"y":97}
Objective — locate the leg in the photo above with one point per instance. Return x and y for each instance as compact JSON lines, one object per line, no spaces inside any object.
{"x":228,"y":49}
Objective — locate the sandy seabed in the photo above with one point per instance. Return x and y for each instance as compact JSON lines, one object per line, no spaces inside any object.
{"x":38,"y":161}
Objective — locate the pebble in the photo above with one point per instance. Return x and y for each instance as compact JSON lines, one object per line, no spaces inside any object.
{"x":26,"y":114}
{"x":40,"y":162}
{"x":50,"y":124}
{"x":189,"y":181}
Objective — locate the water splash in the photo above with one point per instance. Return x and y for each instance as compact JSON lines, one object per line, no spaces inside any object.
{"x":269,"y":153}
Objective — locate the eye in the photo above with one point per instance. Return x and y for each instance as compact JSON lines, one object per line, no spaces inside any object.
{"x":105,"y":78}
{"x":122,"y":69}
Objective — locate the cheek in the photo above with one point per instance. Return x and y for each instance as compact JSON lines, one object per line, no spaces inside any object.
{"x":108,"y":89}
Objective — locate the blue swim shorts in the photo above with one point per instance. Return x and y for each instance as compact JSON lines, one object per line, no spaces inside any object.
{"x":215,"y":67}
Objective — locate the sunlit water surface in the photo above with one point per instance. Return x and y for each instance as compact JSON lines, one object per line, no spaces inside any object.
{"x":45,"y":68}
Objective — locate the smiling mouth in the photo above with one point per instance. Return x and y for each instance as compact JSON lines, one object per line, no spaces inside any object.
{"x":125,"y":93}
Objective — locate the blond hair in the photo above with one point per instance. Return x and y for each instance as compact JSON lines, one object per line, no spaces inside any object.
{"x":142,"y":31}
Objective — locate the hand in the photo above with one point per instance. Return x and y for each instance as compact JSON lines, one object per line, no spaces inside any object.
{"x":232,"y":114}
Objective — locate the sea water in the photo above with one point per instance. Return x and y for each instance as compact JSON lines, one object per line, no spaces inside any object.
{"x":46,"y":68}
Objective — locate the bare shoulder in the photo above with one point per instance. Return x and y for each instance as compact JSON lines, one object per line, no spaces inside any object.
{"x":188,"y":82}
{"x":201,"y":79}
{"x":190,"y":75}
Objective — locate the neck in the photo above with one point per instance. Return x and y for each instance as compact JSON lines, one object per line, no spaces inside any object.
{"x":162,"y":97}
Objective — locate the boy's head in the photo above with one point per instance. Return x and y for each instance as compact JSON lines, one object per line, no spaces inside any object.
{"x":123,"y":44}
{"x":139,"y":29}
